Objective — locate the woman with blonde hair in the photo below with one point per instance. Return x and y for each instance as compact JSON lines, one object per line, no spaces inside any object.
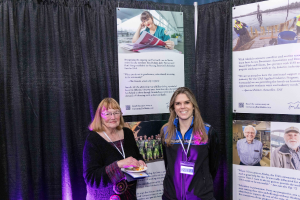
{"x":109,"y":147}
{"x":190,"y":149}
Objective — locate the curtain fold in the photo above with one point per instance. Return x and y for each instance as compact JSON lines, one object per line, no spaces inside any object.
{"x":58,"y":60}
{"x":213,"y":82}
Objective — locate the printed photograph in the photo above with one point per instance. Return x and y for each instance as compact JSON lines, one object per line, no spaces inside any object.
{"x":285,"y":142}
{"x":146,"y":31}
{"x":265,"y":24}
{"x":148,"y":140}
{"x":251,"y":143}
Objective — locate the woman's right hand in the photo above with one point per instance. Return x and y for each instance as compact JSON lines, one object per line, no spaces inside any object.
{"x":141,"y":26}
{"x":128,"y":162}
{"x":137,"y":33}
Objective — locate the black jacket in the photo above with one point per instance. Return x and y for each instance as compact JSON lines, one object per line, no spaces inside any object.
{"x":206,"y":157}
{"x":97,"y":155}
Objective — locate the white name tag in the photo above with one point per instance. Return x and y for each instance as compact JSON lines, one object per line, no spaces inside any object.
{"x":187,"y":168}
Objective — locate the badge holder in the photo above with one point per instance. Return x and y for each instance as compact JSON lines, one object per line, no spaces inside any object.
{"x":187,"y":167}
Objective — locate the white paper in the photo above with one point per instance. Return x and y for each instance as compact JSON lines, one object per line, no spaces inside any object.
{"x":152,"y":186}
{"x":266,"y":183}
{"x":267,"y":87}
{"x":147,"y":81}
{"x":266,"y":70}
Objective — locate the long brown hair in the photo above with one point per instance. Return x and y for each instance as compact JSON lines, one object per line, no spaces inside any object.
{"x":146,"y":15}
{"x":107,"y":103}
{"x":199,"y":130}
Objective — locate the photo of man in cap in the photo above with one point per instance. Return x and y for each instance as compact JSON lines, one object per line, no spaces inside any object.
{"x":288,"y":155}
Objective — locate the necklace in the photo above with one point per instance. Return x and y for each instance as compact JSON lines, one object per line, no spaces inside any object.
{"x":122,"y":153}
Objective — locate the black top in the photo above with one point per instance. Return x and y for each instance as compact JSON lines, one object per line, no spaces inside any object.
{"x":206,"y":158}
{"x":98,"y":154}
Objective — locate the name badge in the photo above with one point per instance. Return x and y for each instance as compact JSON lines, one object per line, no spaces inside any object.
{"x":187,"y":167}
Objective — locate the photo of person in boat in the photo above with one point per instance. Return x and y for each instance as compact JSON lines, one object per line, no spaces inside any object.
{"x":297,"y":18}
{"x":265,"y":24}
{"x":241,"y":30}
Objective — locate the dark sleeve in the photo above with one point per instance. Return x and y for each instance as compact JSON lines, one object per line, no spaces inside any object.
{"x":164,"y":150}
{"x":165,"y":156}
{"x":235,"y":30}
{"x":132,"y":144}
{"x":114,"y":172}
{"x":94,"y":170}
{"x":214,"y":152}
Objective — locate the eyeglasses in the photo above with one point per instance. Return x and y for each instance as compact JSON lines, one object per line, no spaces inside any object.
{"x":250,"y":133}
{"x":109,"y":114}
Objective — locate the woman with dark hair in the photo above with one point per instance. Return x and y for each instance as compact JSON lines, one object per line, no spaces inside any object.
{"x":108,"y":148}
{"x":153,"y":29}
{"x":190,"y":150}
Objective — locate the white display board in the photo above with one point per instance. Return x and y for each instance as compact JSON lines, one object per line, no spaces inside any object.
{"x":277,"y":176}
{"x":266,"y":69}
{"x":149,"y":72}
{"x":268,"y":183}
{"x":152,"y":186}
{"x":148,"y":87}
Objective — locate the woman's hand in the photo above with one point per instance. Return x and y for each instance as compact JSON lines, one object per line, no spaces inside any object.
{"x":142,"y":163}
{"x":137,"y":33}
{"x":128,"y":162}
{"x":169,"y":44}
{"x":141,"y":26}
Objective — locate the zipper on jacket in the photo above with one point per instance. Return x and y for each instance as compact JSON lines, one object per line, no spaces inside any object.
{"x":203,"y":177}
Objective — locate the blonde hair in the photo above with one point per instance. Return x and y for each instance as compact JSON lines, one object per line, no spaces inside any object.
{"x":199,"y":130}
{"x":107,"y":103}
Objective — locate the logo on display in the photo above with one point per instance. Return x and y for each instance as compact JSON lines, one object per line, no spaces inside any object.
{"x":295,"y":105}
{"x":168,"y":104}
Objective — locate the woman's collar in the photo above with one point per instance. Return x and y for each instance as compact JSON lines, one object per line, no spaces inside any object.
{"x":176,"y":122}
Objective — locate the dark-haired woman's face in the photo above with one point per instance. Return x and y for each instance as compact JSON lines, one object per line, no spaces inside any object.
{"x":148,"y":22}
{"x":183,"y":106}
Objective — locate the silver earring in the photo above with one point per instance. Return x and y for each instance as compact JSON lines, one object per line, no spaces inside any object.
{"x":176,"y":116}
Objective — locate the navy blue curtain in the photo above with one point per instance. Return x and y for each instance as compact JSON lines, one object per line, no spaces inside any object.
{"x":212,"y":84}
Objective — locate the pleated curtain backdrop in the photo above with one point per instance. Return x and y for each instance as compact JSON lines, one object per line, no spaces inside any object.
{"x":58,"y":60}
{"x":212,"y":83}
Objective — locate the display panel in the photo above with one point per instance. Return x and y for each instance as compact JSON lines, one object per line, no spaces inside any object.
{"x":151,"y":59}
{"x":266,"y":57}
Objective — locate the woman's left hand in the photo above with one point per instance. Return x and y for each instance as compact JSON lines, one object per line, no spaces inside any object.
{"x":169,"y":44}
{"x":142,"y":163}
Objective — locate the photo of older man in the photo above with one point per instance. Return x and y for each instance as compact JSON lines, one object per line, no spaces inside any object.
{"x":250,"y":150}
{"x":288,"y":154}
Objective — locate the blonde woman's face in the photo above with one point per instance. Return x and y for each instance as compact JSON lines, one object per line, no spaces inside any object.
{"x":183,"y":107}
{"x":111,"y":118}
